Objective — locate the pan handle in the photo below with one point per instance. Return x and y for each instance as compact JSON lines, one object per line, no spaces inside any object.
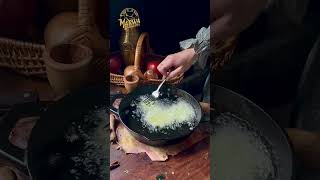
{"x":12,"y":153}
{"x":113,"y":97}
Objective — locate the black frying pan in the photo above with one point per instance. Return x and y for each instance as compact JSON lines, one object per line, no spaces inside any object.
{"x":57,"y":148}
{"x":274,"y":138}
{"x":142,"y":133}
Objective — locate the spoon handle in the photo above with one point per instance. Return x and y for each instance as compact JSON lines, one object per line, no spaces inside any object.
{"x":161,"y":84}
{"x":164,"y":80}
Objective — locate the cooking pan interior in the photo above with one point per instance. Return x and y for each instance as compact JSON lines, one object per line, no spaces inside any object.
{"x":136,"y":126}
{"x":70,"y":140}
{"x":226,"y":101}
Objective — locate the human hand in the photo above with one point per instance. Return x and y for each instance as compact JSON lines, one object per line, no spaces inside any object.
{"x":180,"y":62}
{"x":230,"y":17}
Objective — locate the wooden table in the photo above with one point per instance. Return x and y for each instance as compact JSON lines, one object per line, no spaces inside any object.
{"x":193,"y":163}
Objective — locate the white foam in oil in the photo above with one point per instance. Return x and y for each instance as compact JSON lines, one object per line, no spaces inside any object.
{"x":164,"y":114}
{"x":239,"y":154}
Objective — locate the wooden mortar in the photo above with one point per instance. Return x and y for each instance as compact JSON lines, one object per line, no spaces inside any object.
{"x":67,"y":67}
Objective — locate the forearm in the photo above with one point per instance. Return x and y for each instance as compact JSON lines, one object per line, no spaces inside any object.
{"x":200,"y":44}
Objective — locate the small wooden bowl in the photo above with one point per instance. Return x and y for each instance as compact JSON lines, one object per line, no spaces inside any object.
{"x":131,"y":82}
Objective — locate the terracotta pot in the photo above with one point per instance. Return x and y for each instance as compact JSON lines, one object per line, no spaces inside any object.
{"x":67,"y":67}
{"x":80,"y":28}
{"x":131,"y":82}
{"x":60,"y":29}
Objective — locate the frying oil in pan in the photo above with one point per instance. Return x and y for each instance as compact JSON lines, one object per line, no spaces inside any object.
{"x":239,"y":152}
{"x":164,"y":113}
{"x":91,"y":161}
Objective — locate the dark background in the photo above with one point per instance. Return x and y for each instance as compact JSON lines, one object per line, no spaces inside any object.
{"x":168,"y":21}
{"x":269,"y":61}
{"x":27,"y":19}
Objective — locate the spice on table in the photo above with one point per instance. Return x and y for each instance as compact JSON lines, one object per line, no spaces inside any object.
{"x":114,"y":165}
{"x":161,"y":177}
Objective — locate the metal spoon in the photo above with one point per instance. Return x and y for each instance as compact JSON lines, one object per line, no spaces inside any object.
{"x":156,"y":93}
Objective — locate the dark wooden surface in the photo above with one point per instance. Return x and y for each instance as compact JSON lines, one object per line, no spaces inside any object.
{"x":193,"y":163}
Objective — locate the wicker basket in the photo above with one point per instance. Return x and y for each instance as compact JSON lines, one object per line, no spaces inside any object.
{"x":143,"y":50}
{"x":23,"y":58}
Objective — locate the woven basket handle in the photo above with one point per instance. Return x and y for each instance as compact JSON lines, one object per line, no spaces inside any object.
{"x":143,"y":46}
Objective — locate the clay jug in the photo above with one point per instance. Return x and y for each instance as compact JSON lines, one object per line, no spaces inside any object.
{"x":80,"y":28}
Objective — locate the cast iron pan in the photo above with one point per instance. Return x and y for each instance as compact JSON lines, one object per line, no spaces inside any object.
{"x":142,"y":133}
{"x":274,"y":138}
{"x":49,"y":152}
{"x":61,"y":145}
